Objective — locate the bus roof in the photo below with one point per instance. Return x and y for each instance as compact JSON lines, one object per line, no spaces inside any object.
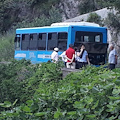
{"x":64,"y":24}
{"x":76,"y":24}
{"x":57,"y":27}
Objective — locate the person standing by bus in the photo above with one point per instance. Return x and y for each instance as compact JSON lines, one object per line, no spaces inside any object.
{"x":54,"y":55}
{"x":76,"y":50}
{"x":112,"y":59}
{"x":63,"y":56}
{"x":70,"y":56}
{"x":82,"y":57}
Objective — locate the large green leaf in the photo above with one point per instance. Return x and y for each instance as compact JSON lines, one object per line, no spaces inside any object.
{"x":26,"y":109}
{"x":38,"y":114}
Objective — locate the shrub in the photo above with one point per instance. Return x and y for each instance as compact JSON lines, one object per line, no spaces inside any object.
{"x":90,"y":94}
{"x":7,"y":47}
{"x":20,"y":79}
{"x":94,"y":17}
{"x":113,"y":21}
{"x":87,"y":6}
{"x":13,"y":80}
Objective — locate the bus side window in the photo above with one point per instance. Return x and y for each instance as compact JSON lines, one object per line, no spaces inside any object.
{"x":17,"y":42}
{"x":97,"y":38}
{"x":89,"y":38}
{"x":78,"y":37}
{"x":62,"y":41}
{"x":86,"y":38}
{"x":42,"y":41}
{"x":33,"y":42}
{"x":25,"y":41}
{"x":52,"y":41}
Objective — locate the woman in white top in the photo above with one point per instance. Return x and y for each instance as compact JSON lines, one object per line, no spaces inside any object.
{"x":54,"y":55}
{"x":63,"y":56}
{"x":82,"y":57}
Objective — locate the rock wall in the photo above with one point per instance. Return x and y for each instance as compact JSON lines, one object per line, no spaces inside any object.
{"x":69,"y":8}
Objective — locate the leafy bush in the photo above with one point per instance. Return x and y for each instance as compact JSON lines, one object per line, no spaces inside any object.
{"x":46,"y":73}
{"x":20,"y":79}
{"x":7,"y":47}
{"x":13,"y":79}
{"x":113,"y":21}
{"x":117,"y":5}
{"x":94,"y":17}
{"x":87,"y":6}
{"x":90,"y":94}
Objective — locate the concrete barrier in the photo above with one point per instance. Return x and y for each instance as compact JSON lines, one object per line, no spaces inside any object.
{"x":67,"y":71}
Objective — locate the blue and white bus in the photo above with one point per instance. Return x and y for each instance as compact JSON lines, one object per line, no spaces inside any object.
{"x":37,"y":44}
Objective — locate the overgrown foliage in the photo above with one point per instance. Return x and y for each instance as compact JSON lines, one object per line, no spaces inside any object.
{"x":117,"y":5}
{"x":94,"y":17}
{"x":20,"y":79}
{"x":93,"y":5}
{"x":7,"y":47}
{"x":13,"y":79}
{"x":113,"y":21}
{"x":87,"y":6}
{"x":92,"y":93}
{"x":14,"y":13}
{"x":43,"y":20}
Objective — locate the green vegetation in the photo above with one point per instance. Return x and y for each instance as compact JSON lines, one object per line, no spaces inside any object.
{"x":94,"y":17}
{"x":93,"y":5}
{"x":39,"y":92}
{"x":15,"y":13}
{"x":54,"y":16}
{"x":7,"y":47}
{"x":87,"y":6}
{"x":117,"y":5}
{"x":113,"y":21}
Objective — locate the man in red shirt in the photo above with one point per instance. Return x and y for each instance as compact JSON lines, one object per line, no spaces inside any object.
{"x":70,"y":55}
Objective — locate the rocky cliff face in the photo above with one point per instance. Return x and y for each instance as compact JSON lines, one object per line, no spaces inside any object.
{"x":69,"y":8}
